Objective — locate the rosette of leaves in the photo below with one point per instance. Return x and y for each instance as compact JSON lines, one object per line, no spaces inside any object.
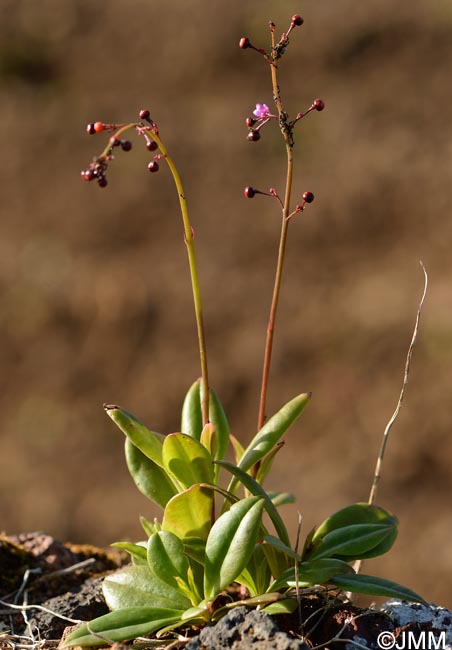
{"x":211,"y":537}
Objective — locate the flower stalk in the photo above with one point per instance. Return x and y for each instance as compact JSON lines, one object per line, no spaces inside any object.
{"x":286,"y":131}
{"x":189,"y":243}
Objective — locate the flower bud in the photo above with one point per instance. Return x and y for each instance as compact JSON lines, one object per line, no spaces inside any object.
{"x":144,"y":114}
{"x":249,"y":192}
{"x":153,"y":166}
{"x":318,"y":104}
{"x":126,"y":145}
{"x":297,"y":20}
{"x":87,"y":174}
{"x":244,"y":43}
{"x":253,"y":136}
{"x":151,"y":145}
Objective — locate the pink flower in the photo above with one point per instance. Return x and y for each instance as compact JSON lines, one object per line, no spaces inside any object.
{"x":262,"y":111}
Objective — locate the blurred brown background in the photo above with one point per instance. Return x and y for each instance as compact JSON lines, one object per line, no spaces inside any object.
{"x":95,"y":299}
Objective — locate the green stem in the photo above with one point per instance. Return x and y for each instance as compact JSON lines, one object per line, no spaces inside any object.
{"x":282,"y":246}
{"x":189,"y":243}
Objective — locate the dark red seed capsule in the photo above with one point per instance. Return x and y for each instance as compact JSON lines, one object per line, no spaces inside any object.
{"x":144,"y":114}
{"x":253,"y":136}
{"x":318,"y":104}
{"x":250,"y":121}
{"x":90,"y":128}
{"x":151,"y":145}
{"x":102,"y":181}
{"x":308,"y":197}
{"x":153,"y":166}
{"x":126,"y":145}
{"x":249,"y":192}
{"x":297,"y":20}
{"x":244,"y":42}
{"x":87,"y":174}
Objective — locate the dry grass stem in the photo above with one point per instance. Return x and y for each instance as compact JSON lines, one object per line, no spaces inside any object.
{"x":377,"y":474}
{"x":384,"y":442}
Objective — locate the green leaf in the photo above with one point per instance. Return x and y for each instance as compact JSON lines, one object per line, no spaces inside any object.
{"x":219,"y":420}
{"x":166,"y":559}
{"x":149,"y":442}
{"x":195,"y":548}
{"x":209,"y":440}
{"x":189,"y":513}
{"x":150,"y":479}
{"x":362,"y":584}
{"x":191,"y":421}
{"x":230,"y":544}
{"x":357,"y":513}
{"x":259,"y":491}
{"x":277,"y":560}
{"x":136,"y":586}
{"x":187,"y":460}
{"x":256,"y":601}
{"x":270,"y":434}
{"x":150,"y":527}
{"x":256,"y":575}
{"x":239,"y":450}
{"x":280,"y":498}
{"x":267,"y":462}
{"x":195,"y":616}
{"x":278,"y":544}
{"x":123,"y":625}
{"x":137,"y":552}
{"x":314,"y":572}
{"x":352,"y":542}
{"x":285,"y":606}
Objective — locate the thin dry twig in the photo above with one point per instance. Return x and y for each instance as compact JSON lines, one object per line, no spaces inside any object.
{"x":23,"y":642}
{"x":68,"y":569}
{"x":377,"y":473}
{"x":46,"y":576}
{"x":25,"y":607}
{"x":21,"y":589}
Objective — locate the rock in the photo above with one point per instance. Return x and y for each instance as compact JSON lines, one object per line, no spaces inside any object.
{"x":247,"y":630}
{"x":65,"y":578}
{"x":324,"y":619}
{"x":84,"y":604}
{"x":413,"y":619}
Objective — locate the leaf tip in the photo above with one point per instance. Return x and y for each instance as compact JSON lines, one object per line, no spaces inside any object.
{"x":110,"y":407}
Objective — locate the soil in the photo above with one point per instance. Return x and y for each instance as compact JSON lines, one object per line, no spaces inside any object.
{"x":65,"y":580}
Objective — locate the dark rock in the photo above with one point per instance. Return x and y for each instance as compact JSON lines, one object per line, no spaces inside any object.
{"x":414,"y":621}
{"x":84,"y":603}
{"x":245,"y":630}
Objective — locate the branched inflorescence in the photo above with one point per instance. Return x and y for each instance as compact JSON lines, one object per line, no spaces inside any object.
{"x":262,"y":111}
{"x":262,"y":115}
{"x":146,"y":128}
